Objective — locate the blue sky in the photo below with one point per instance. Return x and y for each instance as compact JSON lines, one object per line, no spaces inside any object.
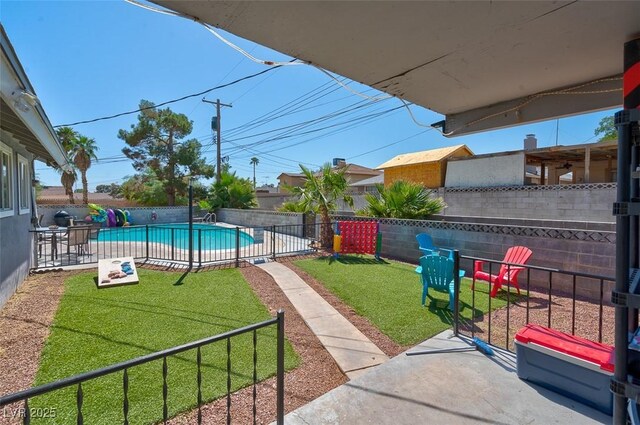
{"x":98,"y":58}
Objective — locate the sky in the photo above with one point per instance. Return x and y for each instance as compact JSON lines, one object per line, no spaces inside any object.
{"x":90,"y":59}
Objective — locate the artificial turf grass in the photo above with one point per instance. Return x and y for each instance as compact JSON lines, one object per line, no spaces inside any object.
{"x":388,"y":293}
{"x":94,"y":328}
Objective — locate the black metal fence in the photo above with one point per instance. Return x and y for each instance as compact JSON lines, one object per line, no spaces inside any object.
{"x":571,"y":302}
{"x":205,"y":245}
{"x":124,"y":367}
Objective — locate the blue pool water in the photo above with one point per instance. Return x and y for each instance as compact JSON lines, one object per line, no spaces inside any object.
{"x":210,"y":236}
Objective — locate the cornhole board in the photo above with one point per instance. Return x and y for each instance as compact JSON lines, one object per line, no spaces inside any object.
{"x":108,"y":264}
{"x":572,"y":366}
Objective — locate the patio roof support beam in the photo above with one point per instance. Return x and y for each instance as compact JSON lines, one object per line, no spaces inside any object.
{"x":587,"y":164}
{"x":543,"y":171}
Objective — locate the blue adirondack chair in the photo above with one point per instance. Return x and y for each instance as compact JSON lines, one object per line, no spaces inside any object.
{"x":425,"y":242}
{"x":436,"y":272}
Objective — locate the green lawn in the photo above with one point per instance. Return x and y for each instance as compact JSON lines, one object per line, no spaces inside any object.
{"x":98,"y":327}
{"x":388,"y":293}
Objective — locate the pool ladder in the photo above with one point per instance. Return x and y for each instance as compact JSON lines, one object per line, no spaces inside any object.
{"x":210,"y":218}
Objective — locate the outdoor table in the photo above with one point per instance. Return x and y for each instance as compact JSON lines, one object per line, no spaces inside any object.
{"x":54,"y":236}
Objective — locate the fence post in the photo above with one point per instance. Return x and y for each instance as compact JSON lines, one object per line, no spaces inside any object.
{"x":199,"y":247}
{"x":147,"y":241}
{"x":237,"y":246}
{"x":173,"y":244}
{"x":273,"y":241}
{"x":456,"y":292}
{"x":280,"y":370}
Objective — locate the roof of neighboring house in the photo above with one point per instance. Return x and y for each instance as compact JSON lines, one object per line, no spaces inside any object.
{"x":56,"y":194}
{"x":358,"y":169}
{"x":290,"y":175}
{"x":379,"y":179}
{"x":432,"y":155}
{"x":21,"y":114}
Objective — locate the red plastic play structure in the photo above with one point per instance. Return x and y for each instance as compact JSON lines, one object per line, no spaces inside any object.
{"x":358,"y":237}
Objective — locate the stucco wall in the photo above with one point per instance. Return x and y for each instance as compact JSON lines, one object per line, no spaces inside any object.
{"x":507,"y":170}
{"x":16,"y":247}
{"x":588,"y":202}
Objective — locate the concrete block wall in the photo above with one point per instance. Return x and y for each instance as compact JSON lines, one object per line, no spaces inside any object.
{"x":492,"y":241}
{"x":139,"y":215}
{"x":258,"y":218}
{"x":588,"y":202}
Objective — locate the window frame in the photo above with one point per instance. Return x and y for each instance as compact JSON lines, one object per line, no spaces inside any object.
{"x":27,"y":184}
{"x":10,"y":210}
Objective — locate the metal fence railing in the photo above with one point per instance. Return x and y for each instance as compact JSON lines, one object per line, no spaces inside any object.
{"x":124,"y":367}
{"x":571,"y":302}
{"x":205,"y":245}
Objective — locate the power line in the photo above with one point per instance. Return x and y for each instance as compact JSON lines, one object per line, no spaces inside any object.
{"x":171,"y":101}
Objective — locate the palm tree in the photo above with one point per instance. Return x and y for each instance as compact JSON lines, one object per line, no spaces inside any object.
{"x":84,"y":150}
{"x":320,"y":192}
{"x":402,"y":200}
{"x":254,"y":161}
{"x":67,"y":136}
{"x":68,"y":179}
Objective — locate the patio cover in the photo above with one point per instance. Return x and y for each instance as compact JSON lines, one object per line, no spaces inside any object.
{"x":483,"y":64}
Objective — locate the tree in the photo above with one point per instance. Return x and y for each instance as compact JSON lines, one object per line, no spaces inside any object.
{"x":402,"y":200}
{"x":319,"y":194}
{"x":232,"y":192}
{"x":155,"y":144}
{"x":113,"y":189}
{"x":606,"y":129}
{"x":83,"y":150}
{"x":68,"y":179}
{"x":254,"y":161}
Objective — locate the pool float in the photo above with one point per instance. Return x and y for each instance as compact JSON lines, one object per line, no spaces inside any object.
{"x":121,"y":219}
{"x":97,"y":213}
{"x":111,"y":218}
{"x":128,"y":216}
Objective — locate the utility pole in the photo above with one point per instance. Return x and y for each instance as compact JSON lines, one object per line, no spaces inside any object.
{"x":215,"y":125}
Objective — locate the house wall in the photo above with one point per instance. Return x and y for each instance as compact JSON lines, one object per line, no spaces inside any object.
{"x":505,"y":170}
{"x":15,"y":239}
{"x":582,"y":202}
{"x":430,"y":174}
{"x":293,"y":181}
{"x":560,"y":247}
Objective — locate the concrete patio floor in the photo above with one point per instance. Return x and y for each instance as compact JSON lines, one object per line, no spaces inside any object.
{"x":452,"y":388}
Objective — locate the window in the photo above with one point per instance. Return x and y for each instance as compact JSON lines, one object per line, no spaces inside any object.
{"x":6,"y":180}
{"x":24,"y":186}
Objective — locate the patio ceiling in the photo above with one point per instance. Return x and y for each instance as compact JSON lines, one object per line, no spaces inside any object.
{"x":483,"y":64}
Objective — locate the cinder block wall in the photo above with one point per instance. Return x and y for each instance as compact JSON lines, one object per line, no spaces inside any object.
{"x":561,"y":248}
{"x":585,"y":202}
{"x":258,"y":218}
{"x":139,"y":215}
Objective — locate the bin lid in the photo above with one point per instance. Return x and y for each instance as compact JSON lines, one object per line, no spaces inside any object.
{"x":594,"y":352}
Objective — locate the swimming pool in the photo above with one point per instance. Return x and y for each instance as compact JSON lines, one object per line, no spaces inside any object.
{"x":205,"y":236}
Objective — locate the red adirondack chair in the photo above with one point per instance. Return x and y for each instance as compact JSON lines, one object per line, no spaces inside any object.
{"x":508,"y":275}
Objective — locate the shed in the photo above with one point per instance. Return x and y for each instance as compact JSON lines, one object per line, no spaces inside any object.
{"x":426,"y":167}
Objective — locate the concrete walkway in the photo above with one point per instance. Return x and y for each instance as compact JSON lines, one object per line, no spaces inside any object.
{"x":451,"y":388}
{"x":352,"y":350}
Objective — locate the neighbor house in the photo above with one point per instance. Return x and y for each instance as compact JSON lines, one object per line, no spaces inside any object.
{"x":25,"y":135}
{"x":352,"y":172}
{"x":426,"y":167}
